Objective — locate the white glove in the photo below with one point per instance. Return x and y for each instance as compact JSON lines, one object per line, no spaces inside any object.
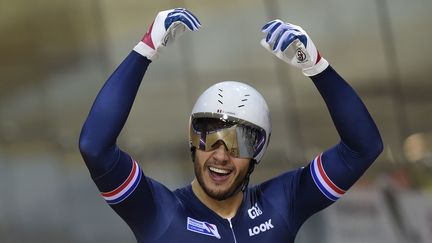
{"x":167,"y":26}
{"x":292,"y":44}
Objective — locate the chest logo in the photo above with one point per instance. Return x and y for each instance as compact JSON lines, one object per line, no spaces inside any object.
{"x":254,"y":211}
{"x":261,"y":228}
{"x":201,"y":227}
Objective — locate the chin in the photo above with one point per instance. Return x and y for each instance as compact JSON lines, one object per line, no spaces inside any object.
{"x":220,"y":194}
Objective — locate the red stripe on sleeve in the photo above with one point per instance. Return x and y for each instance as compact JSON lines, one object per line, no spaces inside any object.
{"x":326,"y":178}
{"x":124,"y":184}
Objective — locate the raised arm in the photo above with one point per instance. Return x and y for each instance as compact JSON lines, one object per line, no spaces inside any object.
{"x":109,"y":113}
{"x":333,"y":172}
{"x":114,"y":101}
{"x":118,"y":177}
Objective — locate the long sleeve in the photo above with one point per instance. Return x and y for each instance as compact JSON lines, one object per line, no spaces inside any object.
{"x":355,"y":126}
{"x":109,"y":113}
{"x":140,"y":201}
{"x":333,"y":172}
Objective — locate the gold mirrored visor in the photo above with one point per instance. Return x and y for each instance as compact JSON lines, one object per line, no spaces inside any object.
{"x":240,"y":140}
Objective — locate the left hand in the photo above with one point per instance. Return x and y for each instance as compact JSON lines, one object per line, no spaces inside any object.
{"x":167,"y":26}
{"x":293,"y":45}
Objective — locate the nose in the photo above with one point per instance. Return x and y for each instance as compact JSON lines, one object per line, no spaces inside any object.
{"x":221,"y":152}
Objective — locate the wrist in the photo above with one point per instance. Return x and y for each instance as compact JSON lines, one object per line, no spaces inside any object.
{"x":146,"y":51}
{"x":320,"y":66}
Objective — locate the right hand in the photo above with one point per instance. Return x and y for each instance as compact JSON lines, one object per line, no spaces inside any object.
{"x":167,"y":26}
{"x":293,"y":45}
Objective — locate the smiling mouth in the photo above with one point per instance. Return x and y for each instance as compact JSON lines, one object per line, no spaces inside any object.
{"x":219,"y":171}
{"x":218,"y":174}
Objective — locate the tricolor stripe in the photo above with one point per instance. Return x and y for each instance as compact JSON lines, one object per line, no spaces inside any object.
{"x":323,"y":182}
{"x":126,"y":188}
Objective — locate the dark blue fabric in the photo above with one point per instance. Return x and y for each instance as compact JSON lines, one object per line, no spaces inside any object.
{"x":109,"y":113}
{"x":350,"y":116}
{"x":360,"y":143}
{"x":156,"y":214}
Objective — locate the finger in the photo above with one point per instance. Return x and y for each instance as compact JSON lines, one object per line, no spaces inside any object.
{"x":266,"y":45}
{"x":292,"y":26}
{"x":180,"y":17}
{"x":188,"y":15}
{"x":281,"y":37}
{"x":268,"y":26}
{"x":274,"y":32}
{"x":288,"y":40}
{"x":271,"y":31}
{"x":193,"y":17}
{"x":303,"y":39}
{"x":195,"y":24}
{"x":178,"y":27}
{"x":297,"y":30}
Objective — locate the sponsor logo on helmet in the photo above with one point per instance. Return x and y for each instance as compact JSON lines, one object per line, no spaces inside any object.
{"x":220,"y":111}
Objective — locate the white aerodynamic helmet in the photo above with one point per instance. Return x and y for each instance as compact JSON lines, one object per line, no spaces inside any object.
{"x":234,"y":113}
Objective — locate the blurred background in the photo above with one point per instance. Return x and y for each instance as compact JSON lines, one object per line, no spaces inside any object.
{"x":56,"y":55}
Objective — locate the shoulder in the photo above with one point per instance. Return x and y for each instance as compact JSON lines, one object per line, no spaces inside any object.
{"x":161,"y":192}
{"x":285,"y":181}
{"x":185,"y":195}
{"x":279,"y":189}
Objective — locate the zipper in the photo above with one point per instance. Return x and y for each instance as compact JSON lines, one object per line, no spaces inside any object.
{"x":232,"y":230}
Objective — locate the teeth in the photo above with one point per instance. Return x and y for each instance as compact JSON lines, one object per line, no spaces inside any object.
{"x":220,"y":171}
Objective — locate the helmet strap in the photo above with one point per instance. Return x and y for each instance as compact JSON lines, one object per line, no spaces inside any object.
{"x":252,"y":164}
{"x":193,"y":152}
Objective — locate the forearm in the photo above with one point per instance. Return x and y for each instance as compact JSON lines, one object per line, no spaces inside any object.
{"x":109,"y":114}
{"x":353,"y":122}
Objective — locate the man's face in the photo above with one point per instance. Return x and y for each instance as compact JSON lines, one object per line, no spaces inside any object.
{"x":219,"y":174}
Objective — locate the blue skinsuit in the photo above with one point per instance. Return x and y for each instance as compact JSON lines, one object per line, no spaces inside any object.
{"x":270,"y":212}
